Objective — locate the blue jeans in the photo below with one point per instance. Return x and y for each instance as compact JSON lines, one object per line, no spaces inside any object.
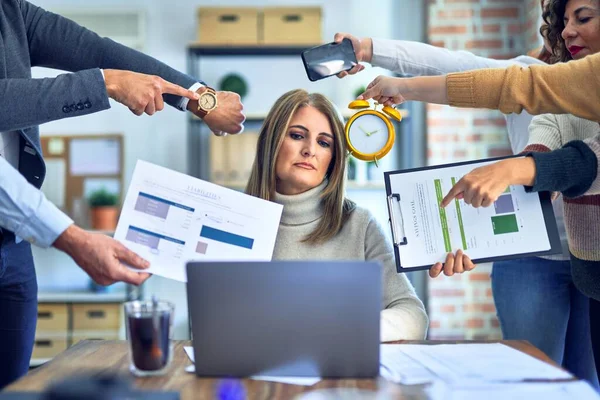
{"x":537,"y":301}
{"x":18,"y":308}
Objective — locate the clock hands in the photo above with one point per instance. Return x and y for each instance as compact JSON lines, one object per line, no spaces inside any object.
{"x":368,"y":133}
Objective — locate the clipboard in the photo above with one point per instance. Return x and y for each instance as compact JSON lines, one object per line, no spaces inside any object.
{"x":405,"y":226}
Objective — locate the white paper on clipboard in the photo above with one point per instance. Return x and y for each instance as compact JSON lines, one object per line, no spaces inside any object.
{"x":518,"y":223}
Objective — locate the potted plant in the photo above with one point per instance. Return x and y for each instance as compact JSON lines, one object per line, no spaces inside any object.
{"x":234,"y":83}
{"x":359,"y":90}
{"x":104,"y":209}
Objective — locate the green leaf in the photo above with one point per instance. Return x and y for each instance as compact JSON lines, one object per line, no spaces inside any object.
{"x":103,"y":198}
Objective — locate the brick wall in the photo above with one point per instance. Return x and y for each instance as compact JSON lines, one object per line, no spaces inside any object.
{"x":462,"y":306}
{"x":531,"y":26}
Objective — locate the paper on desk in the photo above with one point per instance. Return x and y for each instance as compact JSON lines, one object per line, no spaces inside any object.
{"x":397,"y":366}
{"x":579,"y":390}
{"x":170,"y":218}
{"x":294,"y":380}
{"x":463,"y":365}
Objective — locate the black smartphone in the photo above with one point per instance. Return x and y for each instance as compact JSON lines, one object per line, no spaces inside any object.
{"x":328,"y":59}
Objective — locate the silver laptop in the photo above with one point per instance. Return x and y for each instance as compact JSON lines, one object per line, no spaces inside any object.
{"x":285,"y":318}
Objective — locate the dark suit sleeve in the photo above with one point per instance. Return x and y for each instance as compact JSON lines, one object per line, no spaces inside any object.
{"x":30,"y":102}
{"x":60,"y":43}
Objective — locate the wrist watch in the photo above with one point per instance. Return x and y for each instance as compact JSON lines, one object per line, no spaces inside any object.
{"x":207,"y":102}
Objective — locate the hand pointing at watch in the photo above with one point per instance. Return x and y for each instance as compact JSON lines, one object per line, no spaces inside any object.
{"x":226,"y":117}
{"x":140,"y":92}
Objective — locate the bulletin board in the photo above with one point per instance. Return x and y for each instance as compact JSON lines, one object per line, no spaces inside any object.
{"x":77,"y":165}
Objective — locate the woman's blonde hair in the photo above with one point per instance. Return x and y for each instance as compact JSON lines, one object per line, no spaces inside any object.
{"x":262,"y":181}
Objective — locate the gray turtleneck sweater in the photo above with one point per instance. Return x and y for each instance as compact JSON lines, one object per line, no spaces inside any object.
{"x":362,"y":238}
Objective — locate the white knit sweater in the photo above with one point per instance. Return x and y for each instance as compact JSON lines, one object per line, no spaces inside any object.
{"x":403,"y":315}
{"x":551,"y":132}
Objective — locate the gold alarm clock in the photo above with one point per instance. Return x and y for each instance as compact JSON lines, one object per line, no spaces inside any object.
{"x":370,"y":133}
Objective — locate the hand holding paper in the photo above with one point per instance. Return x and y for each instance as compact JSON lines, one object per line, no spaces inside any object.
{"x":454,"y":264}
{"x":170,"y":218}
{"x":102,"y":257}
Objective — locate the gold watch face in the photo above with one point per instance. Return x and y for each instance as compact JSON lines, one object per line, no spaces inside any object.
{"x":207,"y":101}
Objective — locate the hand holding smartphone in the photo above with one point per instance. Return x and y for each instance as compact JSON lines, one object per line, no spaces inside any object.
{"x":329,"y":59}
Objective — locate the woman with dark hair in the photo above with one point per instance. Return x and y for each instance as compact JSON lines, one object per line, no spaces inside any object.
{"x":564,"y":149}
{"x":561,"y":331}
{"x":301,"y":163}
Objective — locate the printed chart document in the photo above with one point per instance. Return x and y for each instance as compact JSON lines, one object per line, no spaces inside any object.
{"x":580,"y":390}
{"x":463,"y":365}
{"x":170,"y":218}
{"x":516,"y":225}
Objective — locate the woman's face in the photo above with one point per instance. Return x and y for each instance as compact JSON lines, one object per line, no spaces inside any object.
{"x":582,"y":28}
{"x":306,"y":152}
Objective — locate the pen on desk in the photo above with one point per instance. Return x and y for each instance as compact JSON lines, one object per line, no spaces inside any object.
{"x":230,"y":389}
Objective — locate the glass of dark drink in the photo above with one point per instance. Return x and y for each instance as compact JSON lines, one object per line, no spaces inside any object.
{"x":149,"y":333}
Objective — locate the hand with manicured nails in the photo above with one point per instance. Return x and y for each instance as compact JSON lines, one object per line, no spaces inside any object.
{"x":363,"y":49}
{"x":141,"y":93}
{"x":386,"y":90}
{"x":102,"y":257}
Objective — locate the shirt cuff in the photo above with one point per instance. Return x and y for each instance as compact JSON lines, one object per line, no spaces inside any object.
{"x":103,"y":77}
{"x":384,"y":54}
{"x":45,"y":226}
{"x":184,"y":100}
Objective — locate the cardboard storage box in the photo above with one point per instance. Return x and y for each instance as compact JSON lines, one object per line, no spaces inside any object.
{"x":47,"y":347}
{"x":96,"y":316}
{"x":292,"y":26}
{"x":94,"y":335}
{"x":228,"y":26}
{"x":52,"y":317}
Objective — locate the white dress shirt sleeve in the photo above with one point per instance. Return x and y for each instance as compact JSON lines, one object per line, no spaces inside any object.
{"x":25,"y":210}
{"x":184,"y":100}
{"x":421,"y":59}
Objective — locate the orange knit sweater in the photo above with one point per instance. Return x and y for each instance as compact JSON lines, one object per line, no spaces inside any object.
{"x":562,"y":88}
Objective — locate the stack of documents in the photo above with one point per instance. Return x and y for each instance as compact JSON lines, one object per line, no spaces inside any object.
{"x":475,"y":371}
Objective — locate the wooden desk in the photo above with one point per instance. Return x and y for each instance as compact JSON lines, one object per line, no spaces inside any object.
{"x":112,"y":356}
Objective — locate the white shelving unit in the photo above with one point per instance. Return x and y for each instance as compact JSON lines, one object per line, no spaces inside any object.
{"x":81,"y":297}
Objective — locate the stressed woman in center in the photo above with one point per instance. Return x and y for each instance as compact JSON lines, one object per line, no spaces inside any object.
{"x":301,"y":163}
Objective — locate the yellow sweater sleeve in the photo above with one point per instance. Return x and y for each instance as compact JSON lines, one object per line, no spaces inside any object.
{"x":564,"y":88}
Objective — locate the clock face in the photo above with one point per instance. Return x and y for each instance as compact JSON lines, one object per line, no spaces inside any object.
{"x":368,"y":134}
{"x":208,"y":101}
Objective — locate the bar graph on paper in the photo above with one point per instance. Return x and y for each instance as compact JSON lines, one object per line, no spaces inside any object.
{"x":170,"y":218}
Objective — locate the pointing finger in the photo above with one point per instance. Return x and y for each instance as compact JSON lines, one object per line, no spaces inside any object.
{"x":177,"y":90}
{"x":368,"y":94}
{"x":454,"y":192}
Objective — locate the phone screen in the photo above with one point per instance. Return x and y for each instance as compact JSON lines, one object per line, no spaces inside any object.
{"x":328,"y":59}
